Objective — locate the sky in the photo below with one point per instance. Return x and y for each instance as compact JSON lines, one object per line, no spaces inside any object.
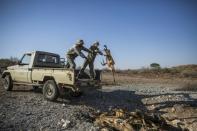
{"x":138,"y":32}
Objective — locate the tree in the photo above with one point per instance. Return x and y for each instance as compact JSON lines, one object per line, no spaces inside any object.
{"x":14,"y":59}
{"x":155,"y":66}
{"x":8,"y":62}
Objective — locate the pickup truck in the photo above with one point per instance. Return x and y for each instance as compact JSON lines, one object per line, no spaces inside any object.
{"x":44,"y":69}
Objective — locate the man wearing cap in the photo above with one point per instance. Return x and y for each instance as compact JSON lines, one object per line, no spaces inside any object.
{"x":74,"y":52}
{"x":90,"y":60}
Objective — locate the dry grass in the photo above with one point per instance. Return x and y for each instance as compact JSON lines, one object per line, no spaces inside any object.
{"x":184,"y":71}
{"x":169,"y":77}
{"x":188,"y":87}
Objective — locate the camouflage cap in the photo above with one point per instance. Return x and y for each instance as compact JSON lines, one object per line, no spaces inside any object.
{"x":105,"y":47}
{"x":96,"y":43}
{"x":80,"y":42}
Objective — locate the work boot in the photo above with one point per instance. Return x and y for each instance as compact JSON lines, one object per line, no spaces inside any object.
{"x":79,"y":74}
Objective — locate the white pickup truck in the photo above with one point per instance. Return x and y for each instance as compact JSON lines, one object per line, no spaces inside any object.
{"x":44,"y":69}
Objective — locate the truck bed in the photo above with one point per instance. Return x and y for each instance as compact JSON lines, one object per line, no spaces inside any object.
{"x":64,"y":75}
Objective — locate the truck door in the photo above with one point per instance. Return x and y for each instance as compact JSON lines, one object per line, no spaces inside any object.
{"x":23,"y":72}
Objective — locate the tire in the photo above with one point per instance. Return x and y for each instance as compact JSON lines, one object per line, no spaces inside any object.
{"x":8,"y":83}
{"x":50,"y":90}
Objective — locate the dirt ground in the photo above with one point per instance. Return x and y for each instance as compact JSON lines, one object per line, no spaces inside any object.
{"x":173,"y":98}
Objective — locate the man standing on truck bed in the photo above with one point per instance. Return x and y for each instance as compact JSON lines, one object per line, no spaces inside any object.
{"x":74,"y":52}
{"x":90,"y":61}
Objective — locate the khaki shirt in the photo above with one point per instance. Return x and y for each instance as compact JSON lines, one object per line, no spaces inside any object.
{"x":76,"y":51}
{"x":95,"y":50}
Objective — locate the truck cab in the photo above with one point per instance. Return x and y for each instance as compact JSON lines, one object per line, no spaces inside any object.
{"x":38,"y":59}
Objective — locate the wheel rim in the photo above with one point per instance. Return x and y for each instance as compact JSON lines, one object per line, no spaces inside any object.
{"x":6,"y":83}
{"x":49,"y":90}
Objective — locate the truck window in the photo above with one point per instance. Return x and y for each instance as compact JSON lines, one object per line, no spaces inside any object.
{"x":48,"y":59}
{"x":26,"y":59}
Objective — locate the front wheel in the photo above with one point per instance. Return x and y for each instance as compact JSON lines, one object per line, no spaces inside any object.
{"x":7,"y":83}
{"x":50,"y":90}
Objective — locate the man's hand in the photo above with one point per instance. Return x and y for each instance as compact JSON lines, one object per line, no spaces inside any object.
{"x":85,"y":57}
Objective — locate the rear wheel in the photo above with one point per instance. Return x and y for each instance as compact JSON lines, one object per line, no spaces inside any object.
{"x":50,"y":90}
{"x":7,"y":83}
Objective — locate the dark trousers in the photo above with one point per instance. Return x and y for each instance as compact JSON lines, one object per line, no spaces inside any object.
{"x":70,"y":62}
{"x":91,"y":67}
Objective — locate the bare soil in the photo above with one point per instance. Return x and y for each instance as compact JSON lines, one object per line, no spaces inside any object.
{"x":26,"y":109}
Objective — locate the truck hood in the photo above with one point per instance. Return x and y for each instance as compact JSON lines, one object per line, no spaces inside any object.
{"x":12,"y":67}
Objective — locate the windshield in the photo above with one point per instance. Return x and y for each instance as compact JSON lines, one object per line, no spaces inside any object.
{"x":26,"y":59}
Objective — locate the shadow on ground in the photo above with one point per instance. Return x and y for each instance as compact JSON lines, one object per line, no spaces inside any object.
{"x":103,"y":99}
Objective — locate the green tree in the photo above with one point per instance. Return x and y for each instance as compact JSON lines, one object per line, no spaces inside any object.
{"x":155,"y":66}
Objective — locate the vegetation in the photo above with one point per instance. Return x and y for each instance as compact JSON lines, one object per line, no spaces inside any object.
{"x":186,"y":71}
{"x":8,"y":62}
{"x":189,"y":71}
{"x":155,"y":66}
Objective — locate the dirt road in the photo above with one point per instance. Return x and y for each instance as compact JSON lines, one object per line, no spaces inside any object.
{"x":24,"y":108}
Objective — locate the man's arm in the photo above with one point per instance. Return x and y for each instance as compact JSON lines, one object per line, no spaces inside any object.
{"x":100,"y":52}
{"x":82,"y":55}
{"x":97,"y":50}
{"x":87,"y":50}
{"x":79,"y":53}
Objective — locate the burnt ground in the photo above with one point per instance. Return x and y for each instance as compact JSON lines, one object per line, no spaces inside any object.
{"x":26,"y":109}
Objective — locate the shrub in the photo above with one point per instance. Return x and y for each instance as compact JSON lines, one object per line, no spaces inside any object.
{"x":8,"y":62}
{"x":155,"y":66}
{"x":188,"y":87}
{"x":189,"y":73}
